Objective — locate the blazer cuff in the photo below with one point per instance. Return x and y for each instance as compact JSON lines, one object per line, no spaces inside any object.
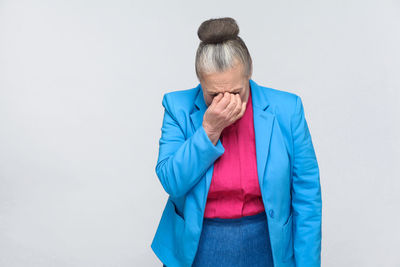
{"x":217,"y":148}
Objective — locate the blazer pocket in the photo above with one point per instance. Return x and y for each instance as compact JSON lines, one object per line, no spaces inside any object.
{"x":170,"y":230}
{"x":178,"y":226}
{"x":287,"y":239}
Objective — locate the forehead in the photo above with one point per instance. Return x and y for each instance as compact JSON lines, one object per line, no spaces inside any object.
{"x":230,"y":80}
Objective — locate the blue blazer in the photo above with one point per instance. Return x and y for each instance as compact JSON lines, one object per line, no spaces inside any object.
{"x":287,"y":167}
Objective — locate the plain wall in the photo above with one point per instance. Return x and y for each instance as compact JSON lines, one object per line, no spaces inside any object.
{"x":81,"y":84}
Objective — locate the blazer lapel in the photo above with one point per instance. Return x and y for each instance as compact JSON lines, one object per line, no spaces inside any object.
{"x":197,"y":115}
{"x":263,"y":123}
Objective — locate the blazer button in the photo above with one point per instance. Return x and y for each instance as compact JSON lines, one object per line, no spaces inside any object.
{"x":271,"y":213}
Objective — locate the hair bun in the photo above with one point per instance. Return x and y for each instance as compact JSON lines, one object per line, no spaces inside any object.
{"x":218,"y":30}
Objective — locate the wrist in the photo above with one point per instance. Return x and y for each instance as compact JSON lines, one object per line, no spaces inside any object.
{"x":212,"y":134}
{"x":210,"y":130}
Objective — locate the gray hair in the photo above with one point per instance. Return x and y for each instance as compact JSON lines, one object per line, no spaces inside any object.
{"x":221,"y":48}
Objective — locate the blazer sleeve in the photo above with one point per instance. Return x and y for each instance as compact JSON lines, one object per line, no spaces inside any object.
{"x":182,"y":162}
{"x":306,"y":193}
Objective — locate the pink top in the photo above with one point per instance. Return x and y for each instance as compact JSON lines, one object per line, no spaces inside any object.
{"x":234,"y":190}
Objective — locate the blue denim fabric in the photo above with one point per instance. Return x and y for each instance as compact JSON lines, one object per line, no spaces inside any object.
{"x":238,"y":242}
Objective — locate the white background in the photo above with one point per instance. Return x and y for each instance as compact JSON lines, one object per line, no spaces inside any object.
{"x":81,"y":85}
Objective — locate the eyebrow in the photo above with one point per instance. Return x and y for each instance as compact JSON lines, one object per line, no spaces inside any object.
{"x":234,"y":91}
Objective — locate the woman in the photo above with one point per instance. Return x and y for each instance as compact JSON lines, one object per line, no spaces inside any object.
{"x":237,"y":161}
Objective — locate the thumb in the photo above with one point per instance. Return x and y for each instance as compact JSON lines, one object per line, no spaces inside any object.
{"x":216,"y":99}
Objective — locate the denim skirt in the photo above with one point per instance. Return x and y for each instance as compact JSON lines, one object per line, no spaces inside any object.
{"x":235,"y":242}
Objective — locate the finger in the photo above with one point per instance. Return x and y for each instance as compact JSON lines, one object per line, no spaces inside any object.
{"x":238,"y":106}
{"x":216,"y":99}
{"x":243,"y":109}
{"x":223,"y":103}
{"x":231,"y":106}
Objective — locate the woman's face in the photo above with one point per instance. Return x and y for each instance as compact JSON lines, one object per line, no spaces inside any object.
{"x":232,"y":81}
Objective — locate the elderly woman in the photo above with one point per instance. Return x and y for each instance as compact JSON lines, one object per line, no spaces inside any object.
{"x":237,"y":161}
